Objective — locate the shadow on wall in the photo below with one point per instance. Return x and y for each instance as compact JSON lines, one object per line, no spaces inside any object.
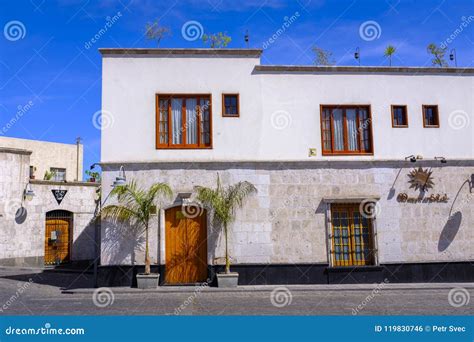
{"x":84,"y":246}
{"x":451,"y":227}
{"x":119,"y":242}
{"x":20,"y":215}
{"x":392,"y":190}
{"x":449,"y":231}
{"x":215,"y":236}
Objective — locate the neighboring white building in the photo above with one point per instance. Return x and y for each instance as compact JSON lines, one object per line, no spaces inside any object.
{"x":327,"y":149}
{"x":45,"y":222}
{"x":64,"y":161}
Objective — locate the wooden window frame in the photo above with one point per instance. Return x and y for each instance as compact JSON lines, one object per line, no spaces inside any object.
{"x":183,"y":146}
{"x":352,"y":262}
{"x":346,"y":152}
{"x":393,"y":116}
{"x":424,"y":107}
{"x":224,"y":114}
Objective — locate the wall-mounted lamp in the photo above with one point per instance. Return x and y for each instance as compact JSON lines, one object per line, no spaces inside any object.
{"x":28,"y":193}
{"x":453,"y":57}
{"x":357,"y":54}
{"x":441,"y":159}
{"x":414,"y":158}
{"x":121,"y":179}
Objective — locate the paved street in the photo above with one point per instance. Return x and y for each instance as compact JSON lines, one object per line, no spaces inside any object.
{"x":44,"y":295}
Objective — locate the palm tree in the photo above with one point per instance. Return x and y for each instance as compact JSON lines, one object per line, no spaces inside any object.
{"x":135,"y":206}
{"x":223,"y":201}
{"x":438,"y":55}
{"x":389,"y":51}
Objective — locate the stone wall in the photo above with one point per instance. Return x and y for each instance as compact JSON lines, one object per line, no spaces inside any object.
{"x":22,"y":237}
{"x":286,"y":221}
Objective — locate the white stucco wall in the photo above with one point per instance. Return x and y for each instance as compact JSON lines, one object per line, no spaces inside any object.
{"x":46,"y":155}
{"x":270,"y":99}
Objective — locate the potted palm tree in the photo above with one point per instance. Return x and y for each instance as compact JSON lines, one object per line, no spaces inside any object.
{"x":223,"y":201}
{"x":134,"y":206}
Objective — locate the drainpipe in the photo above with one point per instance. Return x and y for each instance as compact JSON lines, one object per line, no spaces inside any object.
{"x":78,"y":143}
{"x":97,"y":231}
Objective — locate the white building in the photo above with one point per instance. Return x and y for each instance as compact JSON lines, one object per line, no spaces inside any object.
{"x":321,"y":144}
{"x":62,"y":161}
{"x":45,"y":221}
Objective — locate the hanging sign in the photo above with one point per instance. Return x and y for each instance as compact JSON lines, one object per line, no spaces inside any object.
{"x":59,"y":195}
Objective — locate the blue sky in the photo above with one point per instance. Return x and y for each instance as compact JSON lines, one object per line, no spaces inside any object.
{"x":50,"y":77}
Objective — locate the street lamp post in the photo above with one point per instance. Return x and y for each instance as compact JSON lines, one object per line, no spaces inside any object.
{"x":120,"y":180}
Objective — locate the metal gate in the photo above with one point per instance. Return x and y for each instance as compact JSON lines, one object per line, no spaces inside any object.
{"x":58,"y":237}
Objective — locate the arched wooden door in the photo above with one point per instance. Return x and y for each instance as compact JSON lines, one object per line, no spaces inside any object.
{"x":186,"y":247}
{"x":58,"y":237}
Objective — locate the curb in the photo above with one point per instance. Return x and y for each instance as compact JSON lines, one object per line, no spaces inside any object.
{"x":47,"y":269}
{"x":269,"y":288}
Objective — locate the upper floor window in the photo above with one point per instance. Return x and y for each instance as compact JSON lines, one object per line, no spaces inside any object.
{"x":183,"y":121}
{"x":430,"y":116}
{"x":58,"y":174}
{"x":346,"y":130}
{"x":399,"y":116}
{"x":230,"y":105}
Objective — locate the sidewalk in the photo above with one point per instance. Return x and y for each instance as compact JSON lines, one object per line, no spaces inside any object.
{"x":269,"y":288}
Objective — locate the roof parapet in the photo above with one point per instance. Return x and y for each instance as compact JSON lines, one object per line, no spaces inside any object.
{"x":285,"y":69}
{"x":180,"y":52}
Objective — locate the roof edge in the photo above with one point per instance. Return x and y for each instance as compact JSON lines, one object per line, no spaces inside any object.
{"x":73,"y":183}
{"x":187,"y":52}
{"x":37,"y":141}
{"x":361,"y":69}
{"x":13,"y":150}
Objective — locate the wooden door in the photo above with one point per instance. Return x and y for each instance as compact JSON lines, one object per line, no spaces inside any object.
{"x":57,"y":240}
{"x":186,"y":247}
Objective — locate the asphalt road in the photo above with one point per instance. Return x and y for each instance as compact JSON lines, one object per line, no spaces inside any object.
{"x":43,"y":296}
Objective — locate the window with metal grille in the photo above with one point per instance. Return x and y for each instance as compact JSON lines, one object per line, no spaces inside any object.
{"x":351,"y":236}
{"x":346,"y":130}
{"x":58,"y":238}
{"x":183,"y":121}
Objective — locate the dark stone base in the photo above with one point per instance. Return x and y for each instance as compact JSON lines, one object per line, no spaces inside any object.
{"x":301,"y":274}
{"x":279,"y":274}
{"x":355,"y":275}
{"x":440,"y":272}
